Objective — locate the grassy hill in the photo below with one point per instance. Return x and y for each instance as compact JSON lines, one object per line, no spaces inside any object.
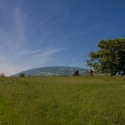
{"x":62,"y":101}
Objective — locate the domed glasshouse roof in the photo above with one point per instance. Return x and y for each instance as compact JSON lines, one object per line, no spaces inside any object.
{"x":54,"y":71}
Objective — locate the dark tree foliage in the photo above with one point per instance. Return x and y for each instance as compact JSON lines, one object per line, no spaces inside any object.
{"x":110,"y":58}
{"x":22,"y":75}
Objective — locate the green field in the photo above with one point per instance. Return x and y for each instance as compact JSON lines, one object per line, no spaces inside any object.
{"x":62,"y":101}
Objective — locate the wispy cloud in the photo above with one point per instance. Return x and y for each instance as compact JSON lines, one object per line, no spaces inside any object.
{"x":24,"y":52}
{"x":13,"y":35}
{"x":21,"y":62}
{"x":46,"y":54}
{"x":16,"y":51}
{"x":35,"y":34}
{"x":19,"y":20}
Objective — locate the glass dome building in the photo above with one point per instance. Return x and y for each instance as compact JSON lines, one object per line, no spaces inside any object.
{"x":54,"y":71}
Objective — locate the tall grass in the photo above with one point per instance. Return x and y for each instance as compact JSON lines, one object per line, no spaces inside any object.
{"x":62,"y":101}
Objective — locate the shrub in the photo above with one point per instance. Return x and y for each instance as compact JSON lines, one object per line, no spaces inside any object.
{"x":2,"y":75}
{"x":22,"y":74}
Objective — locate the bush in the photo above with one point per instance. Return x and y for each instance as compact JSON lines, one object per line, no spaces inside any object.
{"x":22,"y":75}
{"x":2,"y":75}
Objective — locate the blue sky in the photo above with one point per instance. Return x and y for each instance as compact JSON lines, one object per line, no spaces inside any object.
{"x":38,"y":33}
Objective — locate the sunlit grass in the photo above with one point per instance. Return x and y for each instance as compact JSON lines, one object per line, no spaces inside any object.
{"x":62,"y":101}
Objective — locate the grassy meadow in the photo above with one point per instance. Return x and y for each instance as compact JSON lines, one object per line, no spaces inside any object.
{"x":96,"y":100}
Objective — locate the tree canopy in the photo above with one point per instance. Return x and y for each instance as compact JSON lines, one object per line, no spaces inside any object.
{"x":110,"y":58}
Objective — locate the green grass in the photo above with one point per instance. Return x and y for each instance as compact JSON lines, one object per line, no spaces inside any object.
{"x":62,"y":101}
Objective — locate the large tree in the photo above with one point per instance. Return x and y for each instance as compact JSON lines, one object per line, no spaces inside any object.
{"x":110,"y":58}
